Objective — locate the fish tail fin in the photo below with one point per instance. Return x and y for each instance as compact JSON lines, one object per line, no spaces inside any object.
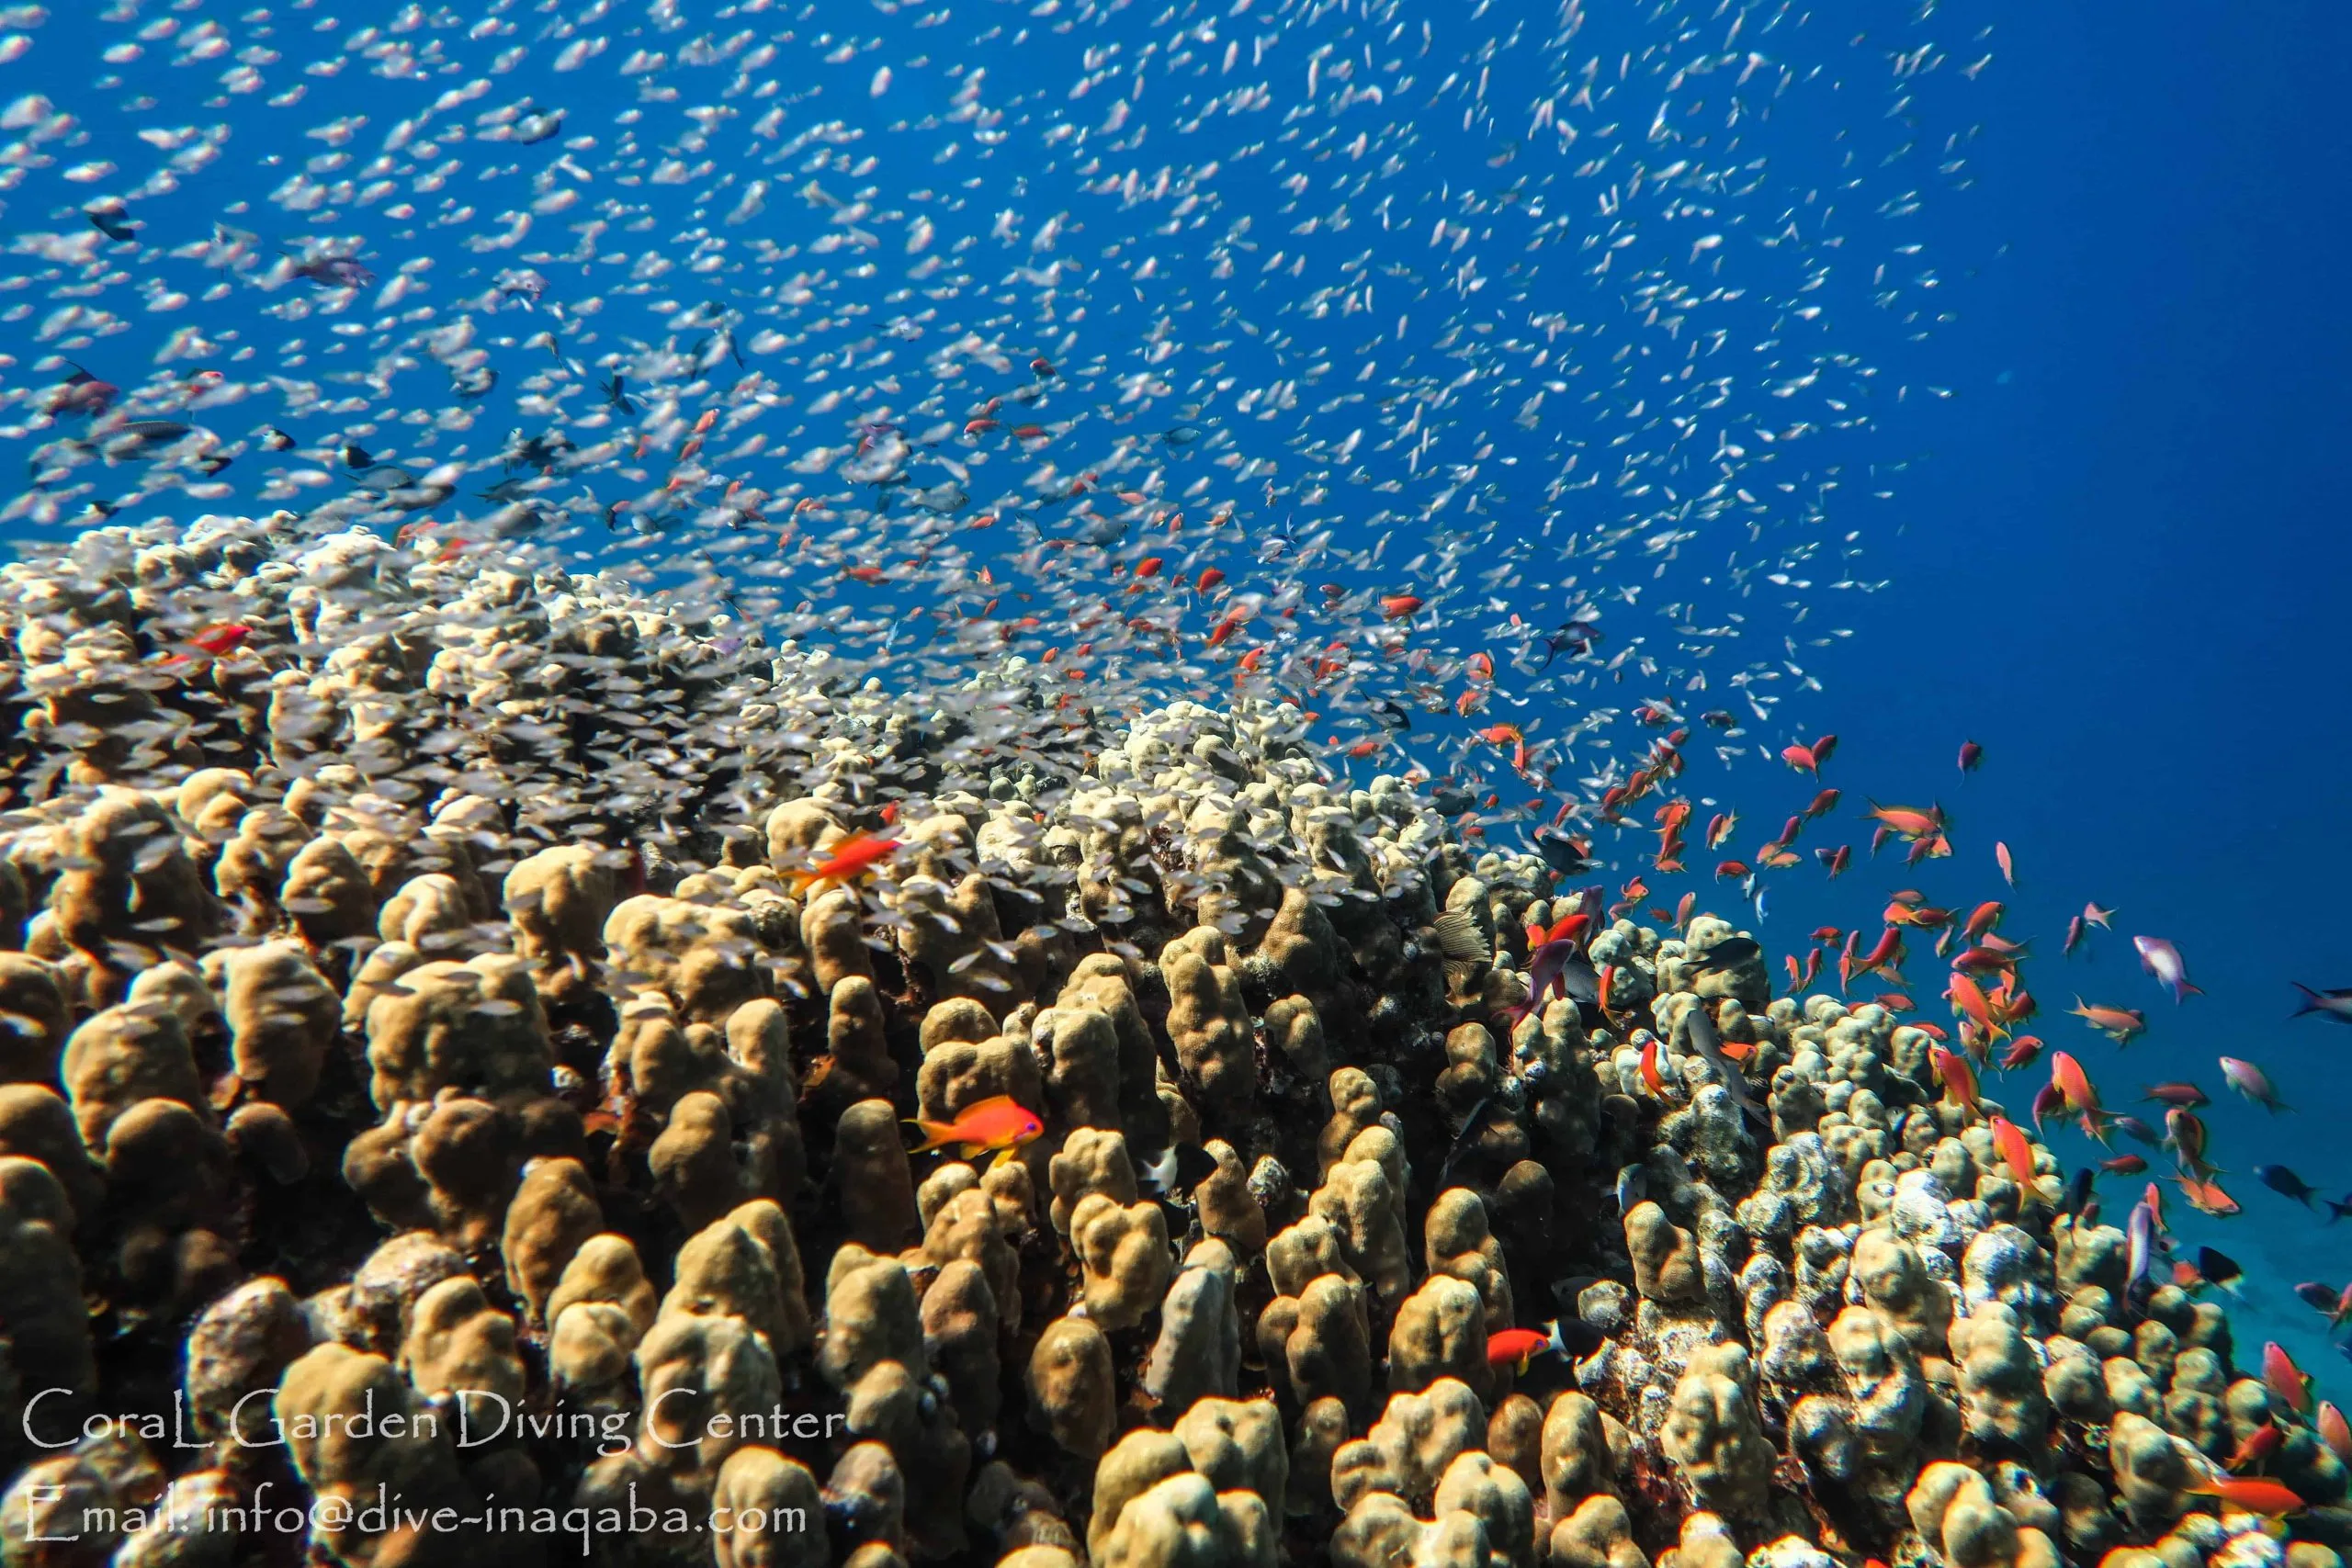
{"x":935,"y":1135}
{"x":2311,"y":1000}
{"x":2186,"y":989}
{"x":2337,"y":1211}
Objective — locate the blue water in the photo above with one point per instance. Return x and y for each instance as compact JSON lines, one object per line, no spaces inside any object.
{"x":2096,"y":481}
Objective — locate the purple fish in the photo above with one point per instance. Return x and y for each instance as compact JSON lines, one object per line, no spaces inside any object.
{"x":2336,"y":1004}
{"x":2141,"y":1231}
{"x":2163,"y":960}
{"x":2074,"y":937}
{"x":2254,"y":1083}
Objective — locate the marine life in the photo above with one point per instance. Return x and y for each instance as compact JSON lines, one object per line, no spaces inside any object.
{"x":997,"y":1122}
{"x":2163,"y":960}
{"x":2253,"y":1494}
{"x":1033,"y":573}
{"x":2121,"y":1025}
{"x":2252,"y":1083}
{"x":2335,"y":1004}
{"x":2282,"y":1180}
{"x":849,"y":860}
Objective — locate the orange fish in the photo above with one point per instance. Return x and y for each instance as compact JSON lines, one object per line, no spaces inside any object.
{"x":2022,"y":1050}
{"x":1398,"y":606}
{"x":1651,"y":1078}
{"x":1908,"y":821}
{"x":1210,"y":577}
{"x":1801,"y":759}
{"x":1481,"y":668}
{"x":998,"y":1123}
{"x":2259,"y":1445}
{"x":2119,"y":1024}
{"x":2252,"y":1494}
{"x":2017,"y":1153}
{"x":2072,"y":1083}
{"x":1968,"y":1001}
{"x":2207,"y":1197}
{"x":1606,"y":992}
{"x":1824,"y":803}
{"x":857,"y":853}
{"x":1959,"y":1078}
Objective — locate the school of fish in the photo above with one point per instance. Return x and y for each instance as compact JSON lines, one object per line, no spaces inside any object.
{"x":876,"y":785}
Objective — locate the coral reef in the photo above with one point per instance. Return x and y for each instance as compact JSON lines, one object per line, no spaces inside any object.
{"x":437,"y":1013}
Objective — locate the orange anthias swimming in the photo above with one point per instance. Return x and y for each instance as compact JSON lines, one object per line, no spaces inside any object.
{"x":998,"y":1123}
{"x":2017,"y":1153}
{"x":851,"y":858}
{"x":2251,"y":1493}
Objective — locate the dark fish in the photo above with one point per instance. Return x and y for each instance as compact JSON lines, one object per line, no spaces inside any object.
{"x":372,"y":475}
{"x":1573,"y":638}
{"x":2078,"y":1191}
{"x":617,"y":394}
{"x":335,"y":272}
{"x":2219,"y":1267}
{"x":276,"y":439}
{"x":1392,"y":716}
{"x":1472,"y":1126}
{"x":111,"y":219}
{"x":1732,"y":949}
{"x":1581,"y":983}
{"x":139,"y":437}
{"x":2336,"y":1004}
{"x":1195,"y":1165}
{"x":83,"y":393}
{"x":1452,"y":800}
{"x":468,"y":384}
{"x":1710,"y":1044}
{"x":355,"y":456}
{"x":1633,"y":1186}
{"x":1181,"y":434}
{"x":1562,"y":854}
{"x":541,"y":452}
{"x":2183,"y":1094}
{"x":1577,"y":1337}
{"x":2132,"y":1127}
{"x":1719,"y":718}
{"x":2286,"y":1183}
{"x":2337,"y":1211}
{"x":2317,"y":1296}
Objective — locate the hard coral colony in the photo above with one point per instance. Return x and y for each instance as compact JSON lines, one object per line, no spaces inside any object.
{"x":505,"y":1131}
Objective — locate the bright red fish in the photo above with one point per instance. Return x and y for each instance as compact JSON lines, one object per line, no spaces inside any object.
{"x":852,"y":857}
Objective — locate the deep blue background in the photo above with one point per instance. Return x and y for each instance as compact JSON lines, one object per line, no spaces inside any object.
{"x":2124,"y":568}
